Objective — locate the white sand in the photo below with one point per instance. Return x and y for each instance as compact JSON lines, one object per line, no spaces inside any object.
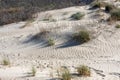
{"x":101,"y":54}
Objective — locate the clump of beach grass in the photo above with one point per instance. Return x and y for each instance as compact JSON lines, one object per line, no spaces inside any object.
{"x":66,"y":75}
{"x":81,"y":36}
{"x":115,"y":14}
{"x":83,"y":71}
{"x":33,"y":71}
{"x":6,"y":62}
{"x":77,"y":16}
{"x":117,"y":26}
{"x":51,"y":42}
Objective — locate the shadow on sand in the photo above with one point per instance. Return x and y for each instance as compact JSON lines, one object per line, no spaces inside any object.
{"x":35,"y":41}
{"x":69,"y":43}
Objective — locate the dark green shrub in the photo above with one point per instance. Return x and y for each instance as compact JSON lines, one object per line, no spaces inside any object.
{"x":82,"y":36}
{"x":77,"y":16}
{"x":83,"y":71}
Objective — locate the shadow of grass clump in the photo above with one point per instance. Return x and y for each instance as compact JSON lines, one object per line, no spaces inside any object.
{"x":40,"y":38}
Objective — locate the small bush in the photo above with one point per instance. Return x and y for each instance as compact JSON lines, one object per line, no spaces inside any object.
{"x":117,"y":26}
{"x":51,"y":42}
{"x":84,"y":71}
{"x":33,"y":71}
{"x":66,"y":75}
{"x":115,"y":14}
{"x":6,"y":62}
{"x":77,"y":16}
{"x":82,"y":36}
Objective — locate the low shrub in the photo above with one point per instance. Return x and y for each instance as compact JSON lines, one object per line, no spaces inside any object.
{"x":82,"y":36}
{"x":77,"y":16}
{"x":83,"y":71}
{"x":115,"y":14}
{"x":6,"y":62}
{"x":33,"y":71}
{"x":66,"y":75}
{"x":51,"y":42}
{"x":117,"y":26}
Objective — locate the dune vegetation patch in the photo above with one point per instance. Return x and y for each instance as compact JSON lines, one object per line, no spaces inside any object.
{"x":81,"y":36}
{"x":33,"y":71}
{"x":77,"y":16}
{"x":6,"y":62}
{"x":117,"y":26}
{"x":83,"y":71}
{"x":115,"y":14}
{"x":20,"y":10}
{"x":66,"y":75}
{"x":51,"y":42}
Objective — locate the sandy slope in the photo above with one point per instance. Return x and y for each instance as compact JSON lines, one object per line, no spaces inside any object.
{"x":101,"y":54}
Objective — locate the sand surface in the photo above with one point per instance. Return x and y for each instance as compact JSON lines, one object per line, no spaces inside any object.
{"x":101,"y":53}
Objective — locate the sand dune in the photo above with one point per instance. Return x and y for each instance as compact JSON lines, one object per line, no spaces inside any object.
{"x":101,"y":53}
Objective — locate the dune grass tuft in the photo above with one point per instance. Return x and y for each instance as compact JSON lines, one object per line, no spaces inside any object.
{"x":51,"y":42}
{"x":83,"y":71}
{"x":6,"y":62}
{"x":33,"y":71}
{"x":117,"y":26}
{"x":115,"y":14}
{"x":82,"y":36}
{"x":66,"y":75}
{"x":77,"y":16}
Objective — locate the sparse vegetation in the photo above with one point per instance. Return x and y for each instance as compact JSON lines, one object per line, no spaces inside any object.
{"x":82,"y":36}
{"x":21,"y":10}
{"x":115,"y":14}
{"x":51,"y":42}
{"x":77,"y":16}
{"x":117,"y":26}
{"x":33,"y":71}
{"x":83,"y":71}
{"x":6,"y":62}
{"x":66,"y":75}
